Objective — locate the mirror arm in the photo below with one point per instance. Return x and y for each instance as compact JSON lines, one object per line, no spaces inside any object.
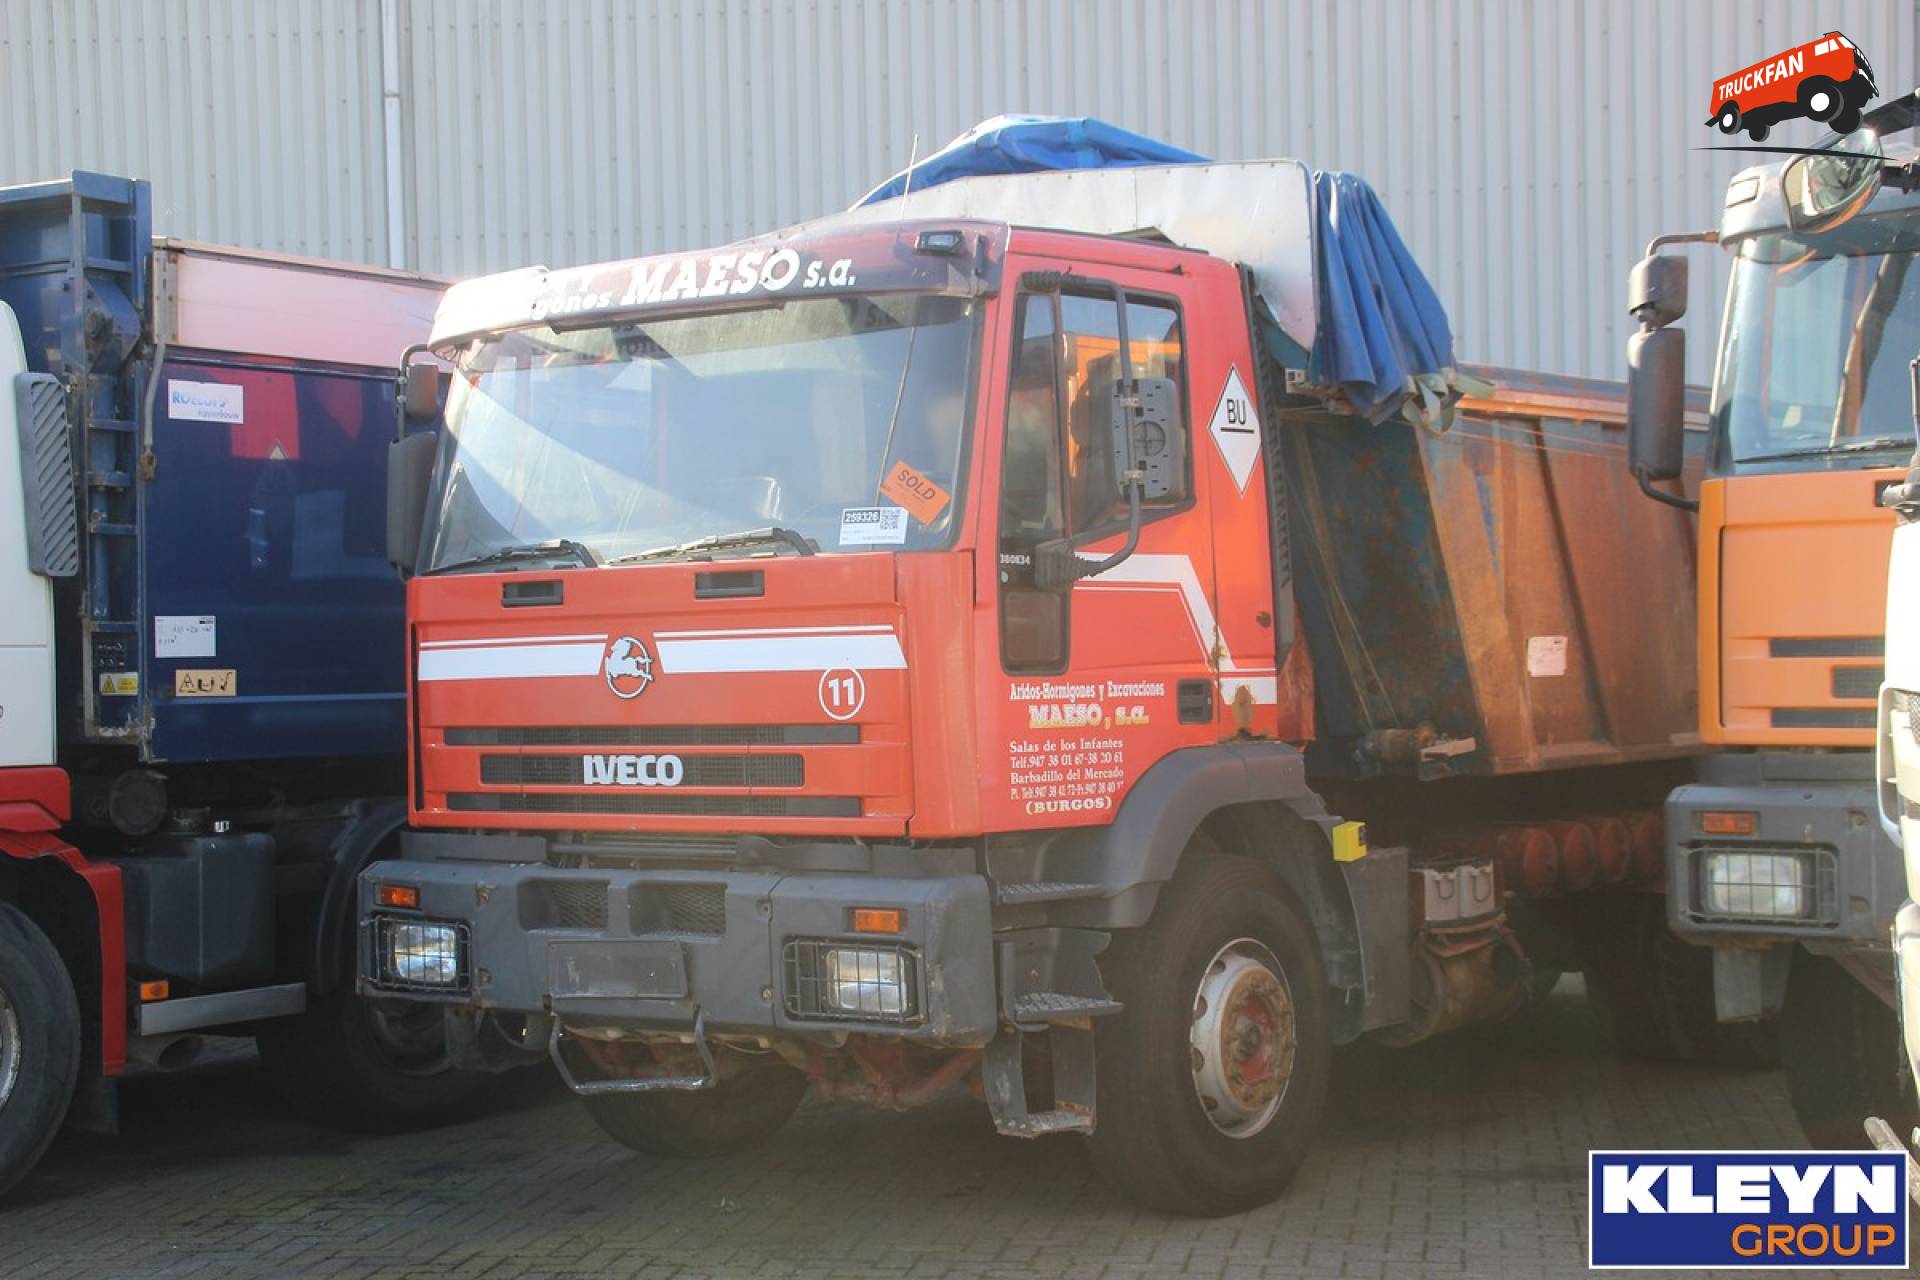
{"x":1672,"y":500}
{"x":1135,"y":483}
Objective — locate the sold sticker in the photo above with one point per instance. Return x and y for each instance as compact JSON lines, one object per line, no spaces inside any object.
{"x":922,"y":498}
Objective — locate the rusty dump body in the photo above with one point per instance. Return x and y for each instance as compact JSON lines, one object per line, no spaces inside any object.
{"x":1494,"y":600}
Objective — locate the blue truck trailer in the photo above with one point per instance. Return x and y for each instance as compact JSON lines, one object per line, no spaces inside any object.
{"x":202,"y":694}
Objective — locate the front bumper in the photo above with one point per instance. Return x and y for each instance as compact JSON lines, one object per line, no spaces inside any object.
{"x":1855,"y":879}
{"x":735,"y":951}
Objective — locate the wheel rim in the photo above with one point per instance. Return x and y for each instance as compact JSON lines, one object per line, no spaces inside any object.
{"x":410,"y":1038}
{"x":1820,"y":105}
{"x":9,"y":1047}
{"x":1242,"y":1039}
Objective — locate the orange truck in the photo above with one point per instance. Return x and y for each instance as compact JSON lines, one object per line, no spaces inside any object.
{"x":1776,"y":860}
{"x":962,"y":643}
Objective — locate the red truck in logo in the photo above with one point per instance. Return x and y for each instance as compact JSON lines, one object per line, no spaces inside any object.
{"x":1826,"y":80}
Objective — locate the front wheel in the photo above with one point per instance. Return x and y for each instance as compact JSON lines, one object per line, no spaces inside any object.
{"x":1211,"y":1078}
{"x":1820,"y":98}
{"x":736,"y":1115}
{"x":39,"y":1044}
{"x":371,"y":1066}
{"x":1840,"y":1044}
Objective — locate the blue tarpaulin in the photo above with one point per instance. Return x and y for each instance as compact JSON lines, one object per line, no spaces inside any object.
{"x":1381,"y":333}
{"x":1032,"y":144}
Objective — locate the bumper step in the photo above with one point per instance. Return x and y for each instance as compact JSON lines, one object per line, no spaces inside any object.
{"x":1054,"y":1006}
{"x":1073,"y":1096}
{"x":1019,"y":894}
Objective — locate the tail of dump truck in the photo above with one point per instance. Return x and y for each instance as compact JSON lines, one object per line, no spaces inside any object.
{"x":204,"y":669}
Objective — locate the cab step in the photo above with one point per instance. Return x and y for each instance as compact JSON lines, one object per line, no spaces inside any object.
{"x":1071,"y":1052}
{"x":1019,"y":894}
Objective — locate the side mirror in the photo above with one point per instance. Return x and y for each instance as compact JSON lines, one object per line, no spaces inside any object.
{"x":1657,"y":374}
{"x":1145,"y":437}
{"x":420,"y":394}
{"x":1825,"y":190}
{"x":1656,"y":403}
{"x":409,"y":472}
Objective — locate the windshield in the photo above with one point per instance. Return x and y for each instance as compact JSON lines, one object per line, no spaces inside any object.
{"x":840,"y":420}
{"x":1818,"y":337}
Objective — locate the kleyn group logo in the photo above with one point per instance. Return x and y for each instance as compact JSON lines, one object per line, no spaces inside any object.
{"x":1746,"y":1209}
{"x":1826,"y":80}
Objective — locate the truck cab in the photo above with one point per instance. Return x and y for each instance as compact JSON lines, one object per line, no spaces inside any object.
{"x":1774,"y":858}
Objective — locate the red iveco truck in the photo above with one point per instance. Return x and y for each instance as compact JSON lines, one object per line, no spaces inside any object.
{"x":908,"y":652}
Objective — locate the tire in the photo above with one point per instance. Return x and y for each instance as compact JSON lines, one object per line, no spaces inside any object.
{"x":1657,"y":989}
{"x":1830,"y":102}
{"x":1155,"y":1141}
{"x":1846,"y":121}
{"x":368,"y":1066}
{"x":1841,"y":1047}
{"x":39,"y":1045}
{"x":737,"y":1115}
{"x":1729,"y":118}
{"x":1759,"y":132}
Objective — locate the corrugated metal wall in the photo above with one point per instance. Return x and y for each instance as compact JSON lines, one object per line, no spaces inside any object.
{"x":1527,"y":148}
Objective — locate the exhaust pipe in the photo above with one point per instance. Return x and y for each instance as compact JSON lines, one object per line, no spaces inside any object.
{"x":168,"y":1053}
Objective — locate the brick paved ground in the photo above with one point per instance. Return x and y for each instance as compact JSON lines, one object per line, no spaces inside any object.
{"x":1463,"y":1157}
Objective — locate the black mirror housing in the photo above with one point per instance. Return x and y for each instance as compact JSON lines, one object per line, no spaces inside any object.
{"x":1656,"y":402}
{"x":1657,"y":289}
{"x":420,"y":393}
{"x":409,"y":473}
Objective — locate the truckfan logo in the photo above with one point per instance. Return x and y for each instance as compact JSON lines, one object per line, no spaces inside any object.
{"x":1825,"y":80}
{"x":629,"y":667}
{"x":1785,"y":1209}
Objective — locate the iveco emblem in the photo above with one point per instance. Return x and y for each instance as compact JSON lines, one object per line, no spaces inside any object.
{"x":629,"y":667}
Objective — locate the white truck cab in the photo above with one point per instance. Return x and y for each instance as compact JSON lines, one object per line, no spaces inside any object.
{"x":26,"y":624}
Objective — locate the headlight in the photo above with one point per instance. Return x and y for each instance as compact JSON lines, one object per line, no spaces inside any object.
{"x":420,"y":954}
{"x":845,"y":981}
{"x":863,"y":981}
{"x":1759,"y":886}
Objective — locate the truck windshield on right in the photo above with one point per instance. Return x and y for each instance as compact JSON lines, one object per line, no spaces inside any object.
{"x":1774,"y":857}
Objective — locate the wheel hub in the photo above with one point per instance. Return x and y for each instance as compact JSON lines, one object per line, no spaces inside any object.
{"x":1242,"y":1039}
{"x":9,"y":1047}
{"x":410,"y":1038}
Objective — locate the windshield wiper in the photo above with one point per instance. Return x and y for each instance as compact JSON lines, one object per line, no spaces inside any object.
{"x":1821,"y":451}
{"x":701,"y":548}
{"x":527,"y":551}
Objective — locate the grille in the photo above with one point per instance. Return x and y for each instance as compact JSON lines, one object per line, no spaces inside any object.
{"x":563,"y":904}
{"x":697,"y":771}
{"x":657,"y":735}
{"x":1858,"y":682}
{"x":695,"y":806}
{"x":854,"y":991}
{"x":1827,"y":647}
{"x":697,"y":909}
{"x":1822,"y":718}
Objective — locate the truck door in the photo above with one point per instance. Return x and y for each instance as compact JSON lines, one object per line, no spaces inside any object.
{"x":1093,"y":684}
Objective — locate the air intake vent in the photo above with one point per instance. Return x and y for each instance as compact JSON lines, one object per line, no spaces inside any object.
{"x":692,"y":806}
{"x":657,"y":735}
{"x":696,"y":909}
{"x":1827,"y":647}
{"x":1858,"y":682}
{"x":563,"y":904}
{"x":1822,"y":718}
{"x":697,"y":771}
